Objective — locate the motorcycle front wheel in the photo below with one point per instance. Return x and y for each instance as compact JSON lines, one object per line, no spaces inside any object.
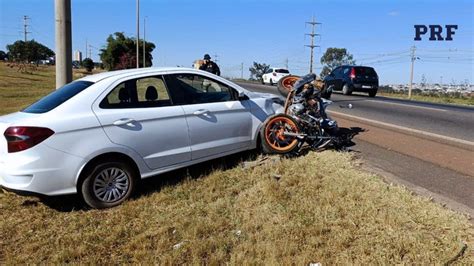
{"x":274,"y":139}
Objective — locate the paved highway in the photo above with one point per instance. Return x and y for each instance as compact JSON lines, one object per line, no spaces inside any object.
{"x":447,"y":120}
{"x":430,"y":166}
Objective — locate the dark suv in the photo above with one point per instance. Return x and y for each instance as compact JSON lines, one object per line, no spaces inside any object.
{"x":353,"y":78}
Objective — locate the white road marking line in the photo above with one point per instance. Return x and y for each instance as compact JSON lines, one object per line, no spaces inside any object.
{"x":407,"y":129}
{"x":409,"y":105}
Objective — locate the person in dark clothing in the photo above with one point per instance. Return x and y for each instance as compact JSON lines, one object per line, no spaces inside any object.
{"x":210,"y":66}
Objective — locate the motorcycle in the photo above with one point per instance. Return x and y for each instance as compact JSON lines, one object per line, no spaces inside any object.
{"x":304,"y":120}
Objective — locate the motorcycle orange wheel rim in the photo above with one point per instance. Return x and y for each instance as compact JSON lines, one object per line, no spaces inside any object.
{"x":274,"y":134}
{"x":288,"y":82}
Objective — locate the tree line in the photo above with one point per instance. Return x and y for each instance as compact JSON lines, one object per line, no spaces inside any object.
{"x":120,"y":53}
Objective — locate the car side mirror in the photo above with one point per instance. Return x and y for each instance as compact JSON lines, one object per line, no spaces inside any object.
{"x":242,"y":96}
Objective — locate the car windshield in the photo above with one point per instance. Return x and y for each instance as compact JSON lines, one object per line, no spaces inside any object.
{"x":57,"y":97}
{"x":282,"y":71}
{"x":367,"y":71}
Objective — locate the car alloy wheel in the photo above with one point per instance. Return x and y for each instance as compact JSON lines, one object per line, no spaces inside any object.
{"x":111,"y":184}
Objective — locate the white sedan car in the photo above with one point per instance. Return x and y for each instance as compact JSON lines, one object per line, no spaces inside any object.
{"x":273,"y":75}
{"x":99,"y":135}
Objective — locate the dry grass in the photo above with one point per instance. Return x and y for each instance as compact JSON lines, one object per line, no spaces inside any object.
{"x":319,"y":209}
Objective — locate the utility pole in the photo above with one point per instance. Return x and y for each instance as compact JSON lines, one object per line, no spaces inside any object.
{"x":313,"y":24}
{"x":144,"y":43}
{"x":25,"y":27}
{"x":413,"y":58}
{"x":138,"y":33}
{"x":87,"y":46}
{"x":90,"y":51}
{"x":286,"y":63}
{"x":242,"y":70}
{"x":63,"y":42}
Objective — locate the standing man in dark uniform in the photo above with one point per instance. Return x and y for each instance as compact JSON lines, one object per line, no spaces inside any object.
{"x":210,"y":66}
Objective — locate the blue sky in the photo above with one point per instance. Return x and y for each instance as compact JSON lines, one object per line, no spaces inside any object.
{"x":377,"y":33}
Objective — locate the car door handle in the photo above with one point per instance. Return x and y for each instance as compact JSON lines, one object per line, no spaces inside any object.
{"x":123,"y":121}
{"x":201,"y":112}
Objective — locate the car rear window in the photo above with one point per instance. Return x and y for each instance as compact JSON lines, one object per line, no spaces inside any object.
{"x":282,"y":71}
{"x":366,"y":71}
{"x":57,"y":97}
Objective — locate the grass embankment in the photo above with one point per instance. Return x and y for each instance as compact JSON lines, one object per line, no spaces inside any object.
{"x":18,"y":90}
{"x":316,"y":208}
{"x":434,"y":99}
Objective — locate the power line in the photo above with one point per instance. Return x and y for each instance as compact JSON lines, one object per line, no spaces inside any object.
{"x":313,"y":24}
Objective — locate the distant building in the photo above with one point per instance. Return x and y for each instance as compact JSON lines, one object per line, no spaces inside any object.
{"x":78,"y":56}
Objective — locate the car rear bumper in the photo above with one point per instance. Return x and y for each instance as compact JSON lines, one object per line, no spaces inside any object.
{"x":52,"y":173}
{"x":365,"y":87}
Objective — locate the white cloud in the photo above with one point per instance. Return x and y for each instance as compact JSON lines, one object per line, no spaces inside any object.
{"x":393,"y":13}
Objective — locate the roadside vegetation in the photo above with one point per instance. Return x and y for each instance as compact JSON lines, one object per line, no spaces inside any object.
{"x":315,"y":208}
{"x":440,"y":98}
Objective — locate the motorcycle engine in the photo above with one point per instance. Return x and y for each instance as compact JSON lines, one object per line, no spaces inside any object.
{"x":297,"y":108}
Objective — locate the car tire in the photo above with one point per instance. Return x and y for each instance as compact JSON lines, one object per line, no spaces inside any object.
{"x":271,"y":82}
{"x":372,"y":93}
{"x":263,"y":83}
{"x":108,"y":184}
{"x":346,"y":90}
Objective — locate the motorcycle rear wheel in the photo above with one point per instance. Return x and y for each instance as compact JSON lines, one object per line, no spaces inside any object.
{"x":273,"y":139}
{"x":285,"y":84}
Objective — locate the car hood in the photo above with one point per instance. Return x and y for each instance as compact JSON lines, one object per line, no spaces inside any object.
{"x":262,"y":95}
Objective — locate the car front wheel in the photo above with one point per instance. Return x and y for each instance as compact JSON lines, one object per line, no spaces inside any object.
{"x":108,"y":184}
{"x":372,"y":93}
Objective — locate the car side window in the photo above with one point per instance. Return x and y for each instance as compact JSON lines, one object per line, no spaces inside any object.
{"x":346,"y":70}
{"x":138,"y":93}
{"x":270,"y":70}
{"x":335,"y":72}
{"x":196,"y":89}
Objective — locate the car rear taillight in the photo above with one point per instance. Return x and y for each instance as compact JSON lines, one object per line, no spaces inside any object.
{"x":23,"y":138}
{"x":353,"y":73}
{"x":274,"y":74}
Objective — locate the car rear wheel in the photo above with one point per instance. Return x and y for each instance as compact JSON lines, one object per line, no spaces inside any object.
{"x":372,"y":93}
{"x":108,"y":184}
{"x":346,"y":90}
{"x":271,"y":82}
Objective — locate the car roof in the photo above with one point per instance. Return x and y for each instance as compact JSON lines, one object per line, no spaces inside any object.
{"x":354,"y":66}
{"x":122,"y":73}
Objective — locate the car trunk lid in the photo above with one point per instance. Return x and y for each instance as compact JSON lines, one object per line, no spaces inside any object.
{"x":365,"y":75}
